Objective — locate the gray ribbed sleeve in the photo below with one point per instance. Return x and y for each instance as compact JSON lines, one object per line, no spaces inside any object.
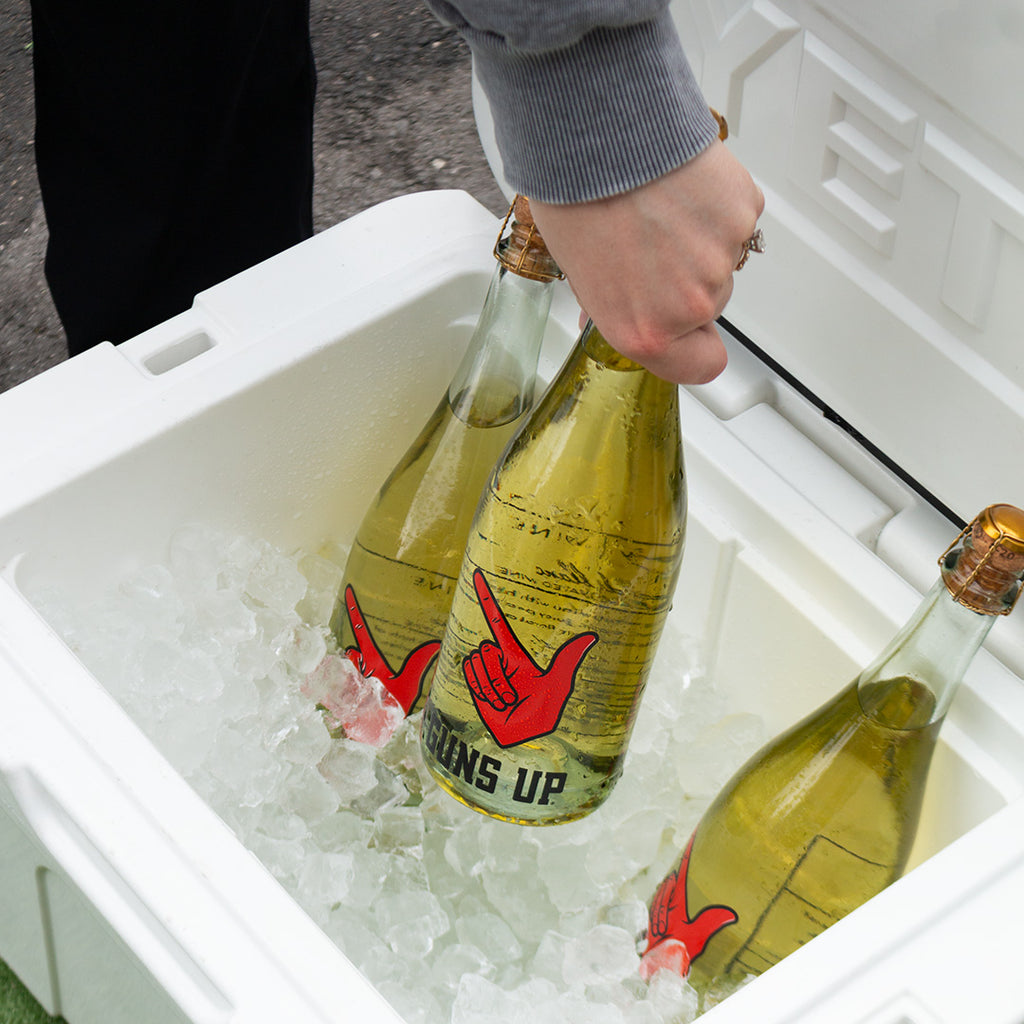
{"x":583,"y":110}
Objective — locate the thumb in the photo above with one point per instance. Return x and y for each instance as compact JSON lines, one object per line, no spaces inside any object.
{"x":569,"y":656}
{"x":705,"y":925}
{"x":416,"y":664}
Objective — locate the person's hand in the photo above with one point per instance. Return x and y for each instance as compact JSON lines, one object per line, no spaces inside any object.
{"x":406,"y":684}
{"x":653,"y":267}
{"x":518,"y":700}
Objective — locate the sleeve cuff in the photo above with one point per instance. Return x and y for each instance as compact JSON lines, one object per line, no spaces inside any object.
{"x":608,"y":114}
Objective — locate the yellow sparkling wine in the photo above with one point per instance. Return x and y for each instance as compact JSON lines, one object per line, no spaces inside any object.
{"x":814,"y":825}
{"x":568,"y":576}
{"x":401,"y":571}
{"x":824,"y":816}
{"x":406,"y":556}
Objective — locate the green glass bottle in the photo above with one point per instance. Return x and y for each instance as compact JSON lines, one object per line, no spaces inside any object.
{"x":823,"y":817}
{"x":569,"y":571}
{"x":401,"y":571}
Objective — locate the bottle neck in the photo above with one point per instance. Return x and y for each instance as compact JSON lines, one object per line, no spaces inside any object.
{"x":613,"y":371}
{"x":612,"y":401}
{"x":595,"y":346}
{"x":934,"y":649}
{"x":495,"y":381}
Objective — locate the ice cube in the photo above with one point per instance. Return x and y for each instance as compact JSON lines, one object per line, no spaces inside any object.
{"x":627,"y":849}
{"x":278,"y":821}
{"x":323,"y":579}
{"x":306,"y":650}
{"x":196,"y":554}
{"x":550,"y":956}
{"x":479,"y":1001}
{"x":356,"y":935}
{"x":458,"y":960}
{"x":303,"y":740}
{"x":399,"y":828}
{"x":412,"y":1002}
{"x":491,"y":935}
{"x":410,"y":922}
{"x":221,"y":617}
{"x":325,"y":881}
{"x":462,"y":851}
{"x":389,"y":792}
{"x":195,"y":675}
{"x":402,"y":755}
{"x":370,"y":869}
{"x":562,"y":870}
{"x":283,"y":858}
{"x":359,"y":704}
{"x":185,"y":736}
{"x":253,"y":660}
{"x":646,"y":1013}
{"x":673,"y":997}
{"x":604,"y":953}
{"x":349,"y":768}
{"x":406,"y":875}
{"x":575,"y":1007}
{"x":275,"y":581}
{"x":152,"y":600}
{"x":524,"y":905}
{"x":239,"y":761}
{"x":630,"y":915}
{"x":342,"y":829}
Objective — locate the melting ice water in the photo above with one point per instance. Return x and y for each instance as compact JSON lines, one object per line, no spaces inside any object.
{"x":219,"y":656}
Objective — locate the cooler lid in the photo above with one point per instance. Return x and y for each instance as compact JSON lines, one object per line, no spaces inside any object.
{"x":893,"y":282}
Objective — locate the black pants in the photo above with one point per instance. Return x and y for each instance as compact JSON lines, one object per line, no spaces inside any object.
{"x":174,"y":147}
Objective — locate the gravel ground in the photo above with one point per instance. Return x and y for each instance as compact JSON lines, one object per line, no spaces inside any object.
{"x":393,"y":116}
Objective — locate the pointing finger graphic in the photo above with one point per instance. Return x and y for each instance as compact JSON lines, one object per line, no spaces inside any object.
{"x":517,"y":700}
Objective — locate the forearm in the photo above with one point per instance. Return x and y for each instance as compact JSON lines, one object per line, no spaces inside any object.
{"x":590,"y":98}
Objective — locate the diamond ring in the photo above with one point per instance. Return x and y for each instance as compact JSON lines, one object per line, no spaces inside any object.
{"x":755,"y":243}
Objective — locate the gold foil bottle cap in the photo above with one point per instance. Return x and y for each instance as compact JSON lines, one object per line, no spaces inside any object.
{"x":985,"y":574}
{"x":523,"y":251}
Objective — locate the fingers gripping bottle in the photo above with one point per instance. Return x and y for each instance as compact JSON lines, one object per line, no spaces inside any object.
{"x":569,"y":572}
{"x":823,"y":817}
{"x":401,"y":572}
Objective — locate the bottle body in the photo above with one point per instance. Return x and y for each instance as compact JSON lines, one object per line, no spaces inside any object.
{"x":568,"y":576}
{"x":824,"y":816}
{"x":401,"y":571}
{"x":811,"y":827}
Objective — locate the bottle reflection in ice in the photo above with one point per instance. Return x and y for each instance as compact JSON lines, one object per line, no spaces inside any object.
{"x":569,"y":571}
{"x":824,"y":816}
{"x":401,"y":572}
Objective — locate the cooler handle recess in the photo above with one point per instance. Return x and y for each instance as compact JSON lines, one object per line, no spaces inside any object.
{"x":97,"y":880}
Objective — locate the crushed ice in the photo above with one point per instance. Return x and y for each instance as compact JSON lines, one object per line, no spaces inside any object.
{"x":223,"y":657}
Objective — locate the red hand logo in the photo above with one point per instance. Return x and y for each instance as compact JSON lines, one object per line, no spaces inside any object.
{"x":670,"y":920}
{"x":405,"y":686}
{"x":516,"y":699}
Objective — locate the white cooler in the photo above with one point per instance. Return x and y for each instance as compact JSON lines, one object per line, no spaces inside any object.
{"x":887,"y":297}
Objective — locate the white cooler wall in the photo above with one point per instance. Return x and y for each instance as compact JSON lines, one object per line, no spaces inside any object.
{"x":888,"y":143}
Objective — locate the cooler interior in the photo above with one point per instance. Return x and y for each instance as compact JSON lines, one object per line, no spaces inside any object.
{"x":272,"y":411}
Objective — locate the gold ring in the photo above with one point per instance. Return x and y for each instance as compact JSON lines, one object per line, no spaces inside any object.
{"x":755,"y":243}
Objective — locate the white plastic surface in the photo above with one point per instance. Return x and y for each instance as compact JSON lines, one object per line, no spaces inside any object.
{"x":317,"y":369}
{"x":894,"y":220}
{"x":888,"y":144}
